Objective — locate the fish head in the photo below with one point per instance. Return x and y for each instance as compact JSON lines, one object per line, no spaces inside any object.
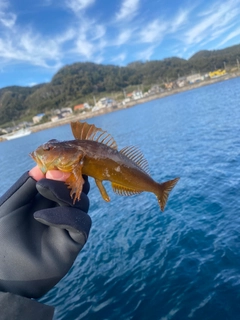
{"x":54,"y":154}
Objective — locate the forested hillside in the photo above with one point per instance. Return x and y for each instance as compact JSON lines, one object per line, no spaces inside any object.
{"x":75,"y":83}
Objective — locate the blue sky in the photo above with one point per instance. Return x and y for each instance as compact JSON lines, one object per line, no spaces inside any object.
{"x":38,"y":37}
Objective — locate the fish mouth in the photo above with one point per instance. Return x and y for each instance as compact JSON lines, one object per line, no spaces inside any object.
{"x":32,"y":155}
{"x":37,"y":159}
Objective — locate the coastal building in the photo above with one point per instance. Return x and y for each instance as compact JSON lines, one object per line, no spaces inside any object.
{"x":38,"y":118}
{"x":137,"y":94}
{"x":126,"y":101}
{"x":155,"y":89}
{"x":105,"y":103}
{"x":55,"y":118}
{"x":181,"y":82}
{"x":78,"y":107}
{"x":169,"y":85}
{"x":58,"y":114}
{"x":81,"y":107}
{"x":65,"y":112}
{"x":217,"y":73}
{"x":194,"y":78}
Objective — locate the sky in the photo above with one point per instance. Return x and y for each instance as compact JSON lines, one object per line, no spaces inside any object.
{"x":39,"y":37}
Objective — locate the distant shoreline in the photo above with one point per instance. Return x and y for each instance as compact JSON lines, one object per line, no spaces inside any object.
{"x":89,"y":115}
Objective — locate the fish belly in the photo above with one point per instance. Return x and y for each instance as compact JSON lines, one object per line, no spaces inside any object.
{"x":135,"y":179}
{"x":114,"y":167}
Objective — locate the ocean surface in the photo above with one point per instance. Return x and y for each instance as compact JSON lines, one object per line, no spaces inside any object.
{"x":140,"y":263}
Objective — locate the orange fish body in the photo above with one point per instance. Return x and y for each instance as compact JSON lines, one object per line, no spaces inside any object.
{"x":94,"y":153}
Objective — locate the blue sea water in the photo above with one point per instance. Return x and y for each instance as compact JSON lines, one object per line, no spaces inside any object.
{"x":140,"y":263}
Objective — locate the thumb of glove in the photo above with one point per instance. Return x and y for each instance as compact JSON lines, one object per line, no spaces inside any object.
{"x":65,"y":215}
{"x":75,"y":221}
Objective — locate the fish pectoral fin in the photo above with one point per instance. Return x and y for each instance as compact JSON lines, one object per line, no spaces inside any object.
{"x":75,"y":182}
{"x":124,"y":191}
{"x":76,"y":185}
{"x":71,"y":183}
{"x":102,"y":190}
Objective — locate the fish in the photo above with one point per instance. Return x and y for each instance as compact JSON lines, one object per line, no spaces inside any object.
{"x":94,"y":152}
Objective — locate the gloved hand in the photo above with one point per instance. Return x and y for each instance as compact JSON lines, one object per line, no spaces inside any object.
{"x":41,"y":234}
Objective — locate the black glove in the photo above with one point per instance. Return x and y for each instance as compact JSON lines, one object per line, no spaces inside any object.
{"x":41,"y":234}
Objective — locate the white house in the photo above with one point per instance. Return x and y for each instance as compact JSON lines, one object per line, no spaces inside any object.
{"x":194,"y":78}
{"x":38,"y":118}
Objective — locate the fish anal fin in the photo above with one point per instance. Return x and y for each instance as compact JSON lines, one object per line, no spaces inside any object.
{"x":86,"y":131}
{"x":123,"y":191}
{"x":135,"y":155}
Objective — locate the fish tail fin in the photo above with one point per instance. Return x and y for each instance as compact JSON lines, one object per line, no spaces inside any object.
{"x":164,"y":190}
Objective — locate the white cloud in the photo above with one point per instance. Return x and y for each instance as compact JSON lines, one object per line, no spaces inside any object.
{"x":89,"y":39}
{"x":98,"y":31}
{"x":180,"y":20}
{"x":119,"y":58}
{"x":123,"y":37}
{"x":84,"y":47}
{"x":128,"y":9}
{"x":85,"y":38}
{"x":153,"y":32}
{"x":30,"y":47}
{"x":31,"y":84}
{"x":66,"y":36}
{"x":230,"y":36}
{"x":7,"y":18}
{"x":34,"y":46}
{"x":217,"y":18}
{"x":78,"y":5}
{"x":145,"y":54}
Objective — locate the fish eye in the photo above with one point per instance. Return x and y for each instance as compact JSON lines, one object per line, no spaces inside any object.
{"x":53,"y":140}
{"x":47,"y":147}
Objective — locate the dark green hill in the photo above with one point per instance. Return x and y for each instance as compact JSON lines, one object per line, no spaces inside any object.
{"x":13,"y":102}
{"x":161,"y":70}
{"x":210,"y":60}
{"x":78,"y":82}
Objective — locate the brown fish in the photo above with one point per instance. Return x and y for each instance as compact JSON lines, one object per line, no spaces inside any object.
{"x":94,"y":153}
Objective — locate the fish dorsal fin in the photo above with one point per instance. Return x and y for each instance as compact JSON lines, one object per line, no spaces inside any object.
{"x":85,"y":131}
{"x":123,"y":191}
{"x":134,"y":154}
